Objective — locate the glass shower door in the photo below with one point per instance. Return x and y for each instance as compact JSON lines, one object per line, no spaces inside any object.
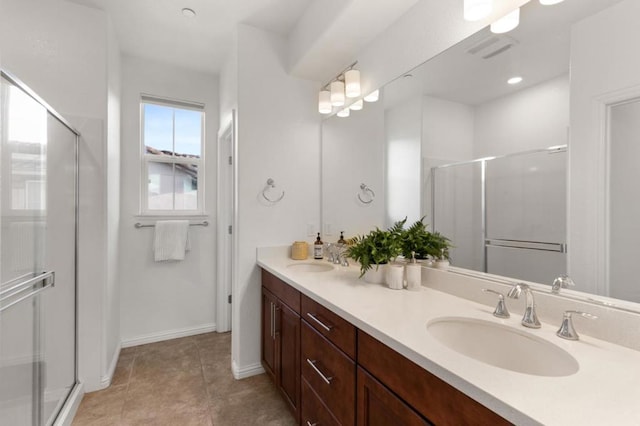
{"x":37,"y":259}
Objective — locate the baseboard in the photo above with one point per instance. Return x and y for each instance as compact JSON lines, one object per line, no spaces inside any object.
{"x":105,"y":382}
{"x":246,"y":371}
{"x":68,"y":412}
{"x":168,"y":335}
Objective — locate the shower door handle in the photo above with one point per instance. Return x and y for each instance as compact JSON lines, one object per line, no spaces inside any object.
{"x":43,"y":282}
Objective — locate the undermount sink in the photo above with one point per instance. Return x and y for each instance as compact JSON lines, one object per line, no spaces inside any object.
{"x":503,"y":346}
{"x":310,"y":267}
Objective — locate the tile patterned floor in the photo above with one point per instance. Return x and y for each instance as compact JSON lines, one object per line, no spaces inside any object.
{"x":183,"y":382}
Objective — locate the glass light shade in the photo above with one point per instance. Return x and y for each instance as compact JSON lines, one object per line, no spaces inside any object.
{"x":475,"y":10}
{"x":352,"y":83}
{"x":343,"y":112}
{"x":373,"y":96}
{"x":324,"y":102}
{"x":550,"y":2}
{"x":357,"y":105}
{"x":506,"y":23}
{"x":337,"y":93}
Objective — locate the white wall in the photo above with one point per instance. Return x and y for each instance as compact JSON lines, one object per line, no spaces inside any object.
{"x":59,"y":49}
{"x":447,"y":130}
{"x":403,"y":134}
{"x":353,"y":153}
{"x":164,"y":300}
{"x":532,"y":118}
{"x":279,"y":138}
{"x":604,"y":66}
{"x":112,"y":314}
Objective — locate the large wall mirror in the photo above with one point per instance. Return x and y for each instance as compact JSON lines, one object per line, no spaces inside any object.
{"x":530,"y":178}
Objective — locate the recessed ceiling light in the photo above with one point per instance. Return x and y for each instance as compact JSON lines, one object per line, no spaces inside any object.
{"x":514,"y":80}
{"x":189,"y":13}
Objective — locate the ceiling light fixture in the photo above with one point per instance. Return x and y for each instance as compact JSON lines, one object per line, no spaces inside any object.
{"x":507,"y":23}
{"x":475,"y":10}
{"x":337,"y":93}
{"x":514,"y":80}
{"x":550,"y":2}
{"x":373,"y":96}
{"x":189,"y":13}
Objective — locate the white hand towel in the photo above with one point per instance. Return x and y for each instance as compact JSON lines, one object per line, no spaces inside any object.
{"x":171,"y":240}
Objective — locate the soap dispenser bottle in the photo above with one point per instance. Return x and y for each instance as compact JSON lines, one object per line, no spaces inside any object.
{"x":414,"y":274}
{"x":317,"y":248}
{"x":342,"y":240}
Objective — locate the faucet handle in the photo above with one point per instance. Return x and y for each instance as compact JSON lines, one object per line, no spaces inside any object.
{"x":563,"y":281}
{"x":566,"y":330}
{"x":501,"y":310}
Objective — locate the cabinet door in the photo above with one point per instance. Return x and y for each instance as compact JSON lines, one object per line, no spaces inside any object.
{"x":269,"y":303}
{"x":378,"y":406}
{"x":288,"y":338}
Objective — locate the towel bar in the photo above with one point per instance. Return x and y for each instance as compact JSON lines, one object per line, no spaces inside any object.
{"x":139,"y":225}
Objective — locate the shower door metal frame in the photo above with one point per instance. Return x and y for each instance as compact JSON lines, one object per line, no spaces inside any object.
{"x":48,"y":277}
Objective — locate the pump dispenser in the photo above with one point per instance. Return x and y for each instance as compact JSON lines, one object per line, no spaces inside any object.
{"x":342,"y":240}
{"x":414,"y":274}
{"x":317,"y":248}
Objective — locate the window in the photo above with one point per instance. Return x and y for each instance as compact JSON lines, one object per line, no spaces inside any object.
{"x":172,"y":152}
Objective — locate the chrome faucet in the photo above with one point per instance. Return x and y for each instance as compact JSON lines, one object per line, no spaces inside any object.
{"x":501,"y":310}
{"x":530,"y":319}
{"x":563,"y":281}
{"x":566,"y":330}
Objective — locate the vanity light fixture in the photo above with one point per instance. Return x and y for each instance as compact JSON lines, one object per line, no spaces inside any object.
{"x":343,"y":112}
{"x":475,"y":10}
{"x":514,"y":80}
{"x":357,"y":105}
{"x":507,"y":23}
{"x":337,"y":93}
{"x":189,"y":13}
{"x":373,"y":96}
{"x":324,"y":102}
{"x":352,"y":83}
{"x":550,"y":2}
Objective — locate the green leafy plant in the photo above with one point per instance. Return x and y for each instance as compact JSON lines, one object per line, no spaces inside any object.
{"x":416,"y":239}
{"x":376,"y":248}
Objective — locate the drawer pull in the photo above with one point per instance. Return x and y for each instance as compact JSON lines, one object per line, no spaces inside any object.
{"x":320,"y":323}
{"x":312,"y":424}
{"x":326,"y":379}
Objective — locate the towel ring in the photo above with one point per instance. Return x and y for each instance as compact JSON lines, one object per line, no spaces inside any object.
{"x":367,"y":192}
{"x":271,"y":184}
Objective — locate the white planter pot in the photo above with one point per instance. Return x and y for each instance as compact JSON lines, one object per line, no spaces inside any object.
{"x":395,"y":276}
{"x":441,"y":264}
{"x":375,"y":275}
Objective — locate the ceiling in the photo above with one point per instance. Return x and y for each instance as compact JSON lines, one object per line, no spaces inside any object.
{"x":157,"y":30}
{"x":321,"y":36}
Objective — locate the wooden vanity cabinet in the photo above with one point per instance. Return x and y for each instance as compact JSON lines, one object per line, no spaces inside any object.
{"x":281,"y":338}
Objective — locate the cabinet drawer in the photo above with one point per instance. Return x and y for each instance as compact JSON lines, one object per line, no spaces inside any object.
{"x":339,"y":331}
{"x":313,"y":410}
{"x":283,"y":291}
{"x":433,"y":398}
{"x":330,"y":373}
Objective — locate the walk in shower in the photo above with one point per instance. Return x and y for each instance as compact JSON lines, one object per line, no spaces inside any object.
{"x":38,"y":232}
{"x":505,"y":215}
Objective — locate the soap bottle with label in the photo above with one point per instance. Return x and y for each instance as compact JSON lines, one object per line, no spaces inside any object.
{"x":342,"y":240}
{"x":317,"y":248}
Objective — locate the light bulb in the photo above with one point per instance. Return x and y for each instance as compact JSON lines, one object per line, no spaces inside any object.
{"x":373,"y":96}
{"x":352,"y":83}
{"x":337,"y":93}
{"x":475,"y":10}
{"x":324,"y":102}
{"x":506,"y":23}
{"x":357,"y":105}
{"x":343,"y":112}
{"x":514,"y":80}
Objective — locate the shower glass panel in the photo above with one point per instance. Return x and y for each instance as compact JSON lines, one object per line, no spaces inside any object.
{"x":624,"y":202}
{"x":37,"y":259}
{"x":458,"y":211}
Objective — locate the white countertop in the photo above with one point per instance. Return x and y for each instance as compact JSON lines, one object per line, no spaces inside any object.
{"x":605,"y":390}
